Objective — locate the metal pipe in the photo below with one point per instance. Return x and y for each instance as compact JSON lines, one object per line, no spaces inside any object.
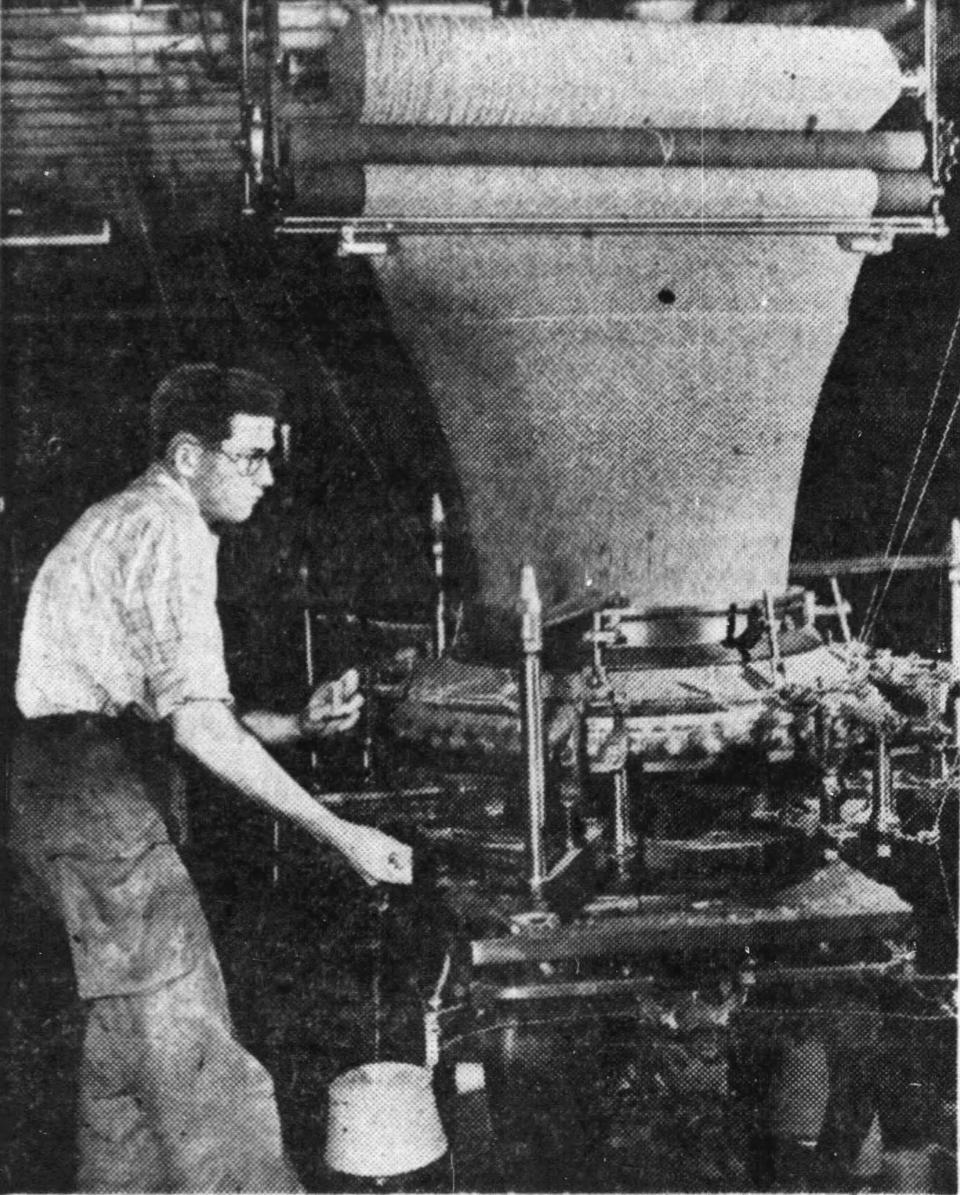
{"x":274,"y":55}
{"x":773,"y":637}
{"x":531,"y":633}
{"x":308,"y":643}
{"x":437,"y":520}
{"x":841,"y":609}
{"x":623,"y":839}
{"x":685,"y":929}
{"x":50,"y":240}
{"x":878,"y":227}
{"x":245,"y":98}
{"x":930,"y":99}
{"x":340,"y":190}
{"x":318,"y":143}
{"x":638,"y":985}
{"x":885,"y":817}
{"x":849,"y":565}
{"x":902,"y":191}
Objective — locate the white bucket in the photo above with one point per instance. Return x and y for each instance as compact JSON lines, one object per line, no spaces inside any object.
{"x":382,"y":1120}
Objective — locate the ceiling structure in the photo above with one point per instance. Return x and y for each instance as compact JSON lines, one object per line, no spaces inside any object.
{"x":141,"y":113}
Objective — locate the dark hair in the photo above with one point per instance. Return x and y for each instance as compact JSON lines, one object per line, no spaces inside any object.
{"x":203,"y":399}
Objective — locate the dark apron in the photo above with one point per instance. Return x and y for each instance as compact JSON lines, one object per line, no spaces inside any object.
{"x":88,"y":795}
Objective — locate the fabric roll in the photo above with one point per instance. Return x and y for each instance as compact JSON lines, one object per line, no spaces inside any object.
{"x":429,"y":70}
{"x":610,"y":193}
{"x":626,"y":413}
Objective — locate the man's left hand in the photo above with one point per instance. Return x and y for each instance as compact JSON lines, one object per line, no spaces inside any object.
{"x":333,"y":708}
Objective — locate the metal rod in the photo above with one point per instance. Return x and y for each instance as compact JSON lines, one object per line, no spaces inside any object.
{"x":584,"y":989}
{"x":308,"y":644}
{"x":56,"y":239}
{"x":272,"y":139}
{"x":308,"y":660}
{"x":693,"y":930}
{"x":320,"y":144}
{"x":885,"y":817}
{"x":814,"y":225}
{"x":841,"y":609}
{"x":849,"y":565}
{"x":341,"y":191}
{"x":623,"y":839}
{"x":437,"y":519}
{"x":367,"y":716}
{"x":531,"y":633}
{"x":930,"y":98}
{"x":245,"y":99}
{"x":773,"y":637}
{"x":370,"y":796}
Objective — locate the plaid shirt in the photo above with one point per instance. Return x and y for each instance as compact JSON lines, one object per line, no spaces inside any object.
{"x":123,"y":611}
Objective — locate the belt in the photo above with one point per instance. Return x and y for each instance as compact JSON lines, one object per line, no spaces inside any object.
{"x":68,"y":723}
{"x":127,"y":726}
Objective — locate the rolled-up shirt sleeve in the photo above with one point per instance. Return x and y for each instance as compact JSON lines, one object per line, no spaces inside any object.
{"x":170,"y":613}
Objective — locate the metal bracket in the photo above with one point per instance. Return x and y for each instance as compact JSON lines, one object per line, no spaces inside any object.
{"x":871,"y":244}
{"x":54,"y":240}
{"x":373,"y":235}
{"x":350,"y":246}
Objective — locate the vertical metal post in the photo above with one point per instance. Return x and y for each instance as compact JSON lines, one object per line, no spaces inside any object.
{"x":809,"y":608}
{"x":597,"y":645}
{"x":623,"y":839}
{"x":840,"y":609}
{"x":308,"y":642}
{"x":531,"y":634}
{"x":245,"y":98}
{"x":437,"y":520}
{"x":308,"y":662}
{"x":830,"y":791}
{"x":930,"y":99}
{"x":955,"y":624}
{"x":271,"y":14}
{"x":773,"y":634}
{"x":885,"y":817}
{"x":367,"y":722}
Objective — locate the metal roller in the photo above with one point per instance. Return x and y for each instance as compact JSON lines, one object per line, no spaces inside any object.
{"x":346,"y":191}
{"x":317,"y":145}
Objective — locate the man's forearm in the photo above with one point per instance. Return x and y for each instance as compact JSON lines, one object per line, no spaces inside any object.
{"x":210,"y":733}
{"x":278,"y":730}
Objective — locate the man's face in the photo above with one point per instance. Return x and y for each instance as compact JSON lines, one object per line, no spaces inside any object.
{"x":231,"y":479}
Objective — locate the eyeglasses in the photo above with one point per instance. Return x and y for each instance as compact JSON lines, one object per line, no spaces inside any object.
{"x":250,"y":463}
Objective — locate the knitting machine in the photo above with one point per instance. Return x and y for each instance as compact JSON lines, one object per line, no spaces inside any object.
{"x":688,"y":813}
{"x":642,"y":772}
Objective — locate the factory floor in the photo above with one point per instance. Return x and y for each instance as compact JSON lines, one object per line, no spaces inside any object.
{"x":321,"y":979}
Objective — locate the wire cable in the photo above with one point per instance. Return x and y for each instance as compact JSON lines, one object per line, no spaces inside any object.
{"x":333,"y":388}
{"x":875,"y":604}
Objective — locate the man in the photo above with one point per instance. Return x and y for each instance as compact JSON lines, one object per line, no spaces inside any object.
{"x":121,"y":646}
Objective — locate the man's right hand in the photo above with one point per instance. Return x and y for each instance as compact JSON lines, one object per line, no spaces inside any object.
{"x":378,"y":858}
{"x":209,"y":731}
